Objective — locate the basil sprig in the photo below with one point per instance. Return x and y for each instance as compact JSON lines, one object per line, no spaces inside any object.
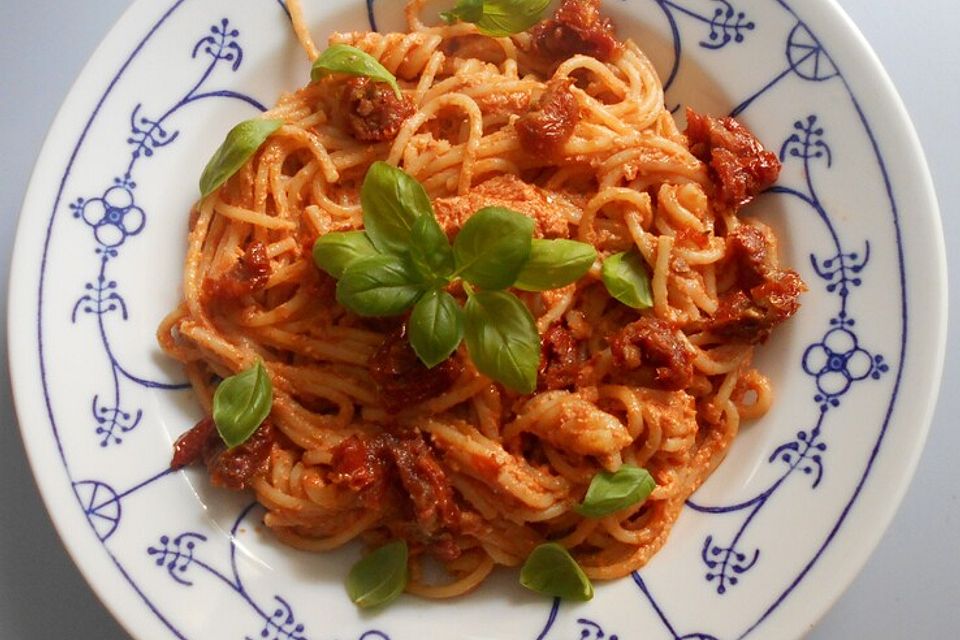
{"x":552,"y":571}
{"x":334,"y":251}
{"x":492,"y":247}
{"x":403,"y":260}
{"x":384,"y":285}
{"x":430,"y":249}
{"x":554,"y":264}
{"x":392,"y":202}
{"x":498,"y":18}
{"x":342,"y":58}
{"x":239,"y":146}
{"x":612,"y":492}
{"x":241,"y":403}
{"x":626,"y":278}
{"x":436,"y":327}
{"x":379,"y":577}
{"x":502,"y":338}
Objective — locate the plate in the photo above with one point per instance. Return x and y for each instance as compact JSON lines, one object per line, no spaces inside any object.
{"x":763,"y":548}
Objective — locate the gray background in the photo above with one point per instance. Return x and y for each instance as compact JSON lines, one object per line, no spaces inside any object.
{"x":909,"y":589}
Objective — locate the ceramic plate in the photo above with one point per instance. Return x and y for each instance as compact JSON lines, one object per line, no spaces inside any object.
{"x":765,"y":546}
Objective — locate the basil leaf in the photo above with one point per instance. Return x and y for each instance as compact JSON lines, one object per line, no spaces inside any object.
{"x":430,"y":249}
{"x":499,"y":18}
{"x":435,"y":327}
{"x":612,"y":492}
{"x":554,"y":264}
{"x":551,"y":570}
{"x":379,"y":577}
{"x":241,"y":403}
{"x":392,"y":201}
{"x":379,"y":286}
{"x":503,"y":340}
{"x":239,"y":146}
{"x":466,"y":10}
{"x":336,"y":251}
{"x":342,"y":58}
{"x":626,"y":278}
{"x":492,"y":247}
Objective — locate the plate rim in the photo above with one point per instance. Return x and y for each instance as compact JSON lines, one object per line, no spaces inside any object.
{"x":854,"y":44}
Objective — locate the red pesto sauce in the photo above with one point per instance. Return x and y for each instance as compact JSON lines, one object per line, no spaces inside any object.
{"x":399,"y":463}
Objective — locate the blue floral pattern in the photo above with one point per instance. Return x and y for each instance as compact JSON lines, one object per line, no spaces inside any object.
{"x":114,"y":217}
{"x":179,"y":554}
{"x":726,"y":23}
{"x":587,"y":629}
{"x":838,"y":360}
{"x":837,"y":364}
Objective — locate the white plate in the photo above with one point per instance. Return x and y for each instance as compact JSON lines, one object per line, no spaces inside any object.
{"x":774,"y":536}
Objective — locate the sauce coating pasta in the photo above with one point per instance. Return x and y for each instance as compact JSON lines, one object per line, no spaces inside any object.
{"x":564,"y":124}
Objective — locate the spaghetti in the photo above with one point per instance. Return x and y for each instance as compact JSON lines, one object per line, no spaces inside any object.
{"x":564,"y":124}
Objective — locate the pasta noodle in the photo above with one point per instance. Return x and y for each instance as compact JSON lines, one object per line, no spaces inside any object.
{"x":665,"y":388}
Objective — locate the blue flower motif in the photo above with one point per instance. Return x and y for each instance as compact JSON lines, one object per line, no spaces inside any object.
{"x":837,"y":362}
{"x":113,"y":217}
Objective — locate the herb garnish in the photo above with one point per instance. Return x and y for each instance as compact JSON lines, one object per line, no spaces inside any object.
{"x":335,"y":251}
{"x":241,"y":403}
{"x":502,"y":337}
{"x":436,"y":327}
{"x":626,"y":278}
{"x":492,"y":247}
{"x":403,"y":259}
{"x":612,"y":492}
{"x":498,"y":18}
{"x":379,"y":577}
{"x":240,"y":144}
{"x":553,"y":263}
{"x":342,"y":58}
{"x":552,"y":571}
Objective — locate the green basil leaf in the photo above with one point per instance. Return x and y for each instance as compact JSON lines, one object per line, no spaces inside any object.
{"x":342,"y":58}
{"x":499,"y":18}
{"x":503,"y":340}
{"x":435,"y":327}
{"x":239,"y":146}
{"x":336,"y":251}
{"x":241,"y":403}
{"x":612,"y":492}
{"x":384,"y":285}
{"x":554,"y":264}
{"x":466,"y":10}
{"x":626,"y":278}
{"x":430,"y":249}
{"x":492,"y":247}
{"x":392,"y":201}
{"x":552,"y":571}
{"x":379,"y":577}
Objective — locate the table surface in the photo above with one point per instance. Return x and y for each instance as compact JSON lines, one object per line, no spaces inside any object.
{"x":910,"y":587}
